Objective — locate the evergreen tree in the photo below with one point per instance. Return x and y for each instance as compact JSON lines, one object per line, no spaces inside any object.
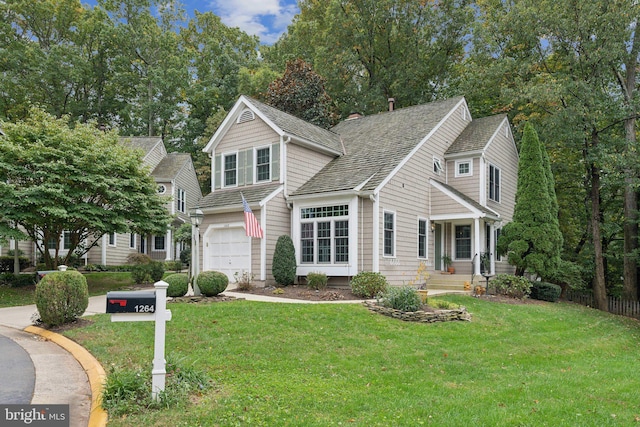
{"x":533,"y":240}
{"x":284,"y":261}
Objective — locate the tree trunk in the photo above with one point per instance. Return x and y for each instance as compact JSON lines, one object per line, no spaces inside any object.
{"x":599,"y":287}
{"x":16,"y":258}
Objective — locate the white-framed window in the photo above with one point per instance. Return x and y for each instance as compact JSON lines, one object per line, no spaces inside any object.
{"x":66,"y":240}
{"x":497,"y":254}
{"x":112,"y":239}
{"x":422,"y":238}
{"x":324,"y":235}
{"x":263,"y":164}
{"x":463,"y":241}
{"x":158,"y":243}
{"x":389,"y":225}
{"x":464,"y":168}
{"x":132,"y":240}
{"x":437,"y":165}
{"x":230,"y":169}
{"x":181,"y":200}
{"x":494,"y":183}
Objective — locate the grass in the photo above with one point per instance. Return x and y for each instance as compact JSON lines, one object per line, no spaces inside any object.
{"x":99,"y":284}
{"x":339,"y":364}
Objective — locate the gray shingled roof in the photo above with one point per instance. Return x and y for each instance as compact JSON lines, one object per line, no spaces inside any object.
{"x":170,"y":166}
{"x":476,"y":135}
{"x":375,"y":145}
{"x":298,"y":127}
{"x":144,"y":143}
{"x":468,"y":200}
{"x":230,"y":197}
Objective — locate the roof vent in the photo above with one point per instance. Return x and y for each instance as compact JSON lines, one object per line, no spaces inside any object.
{"x":246,"y":116}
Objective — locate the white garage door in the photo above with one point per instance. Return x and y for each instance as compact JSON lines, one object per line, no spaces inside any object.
{"x":227,"y":250}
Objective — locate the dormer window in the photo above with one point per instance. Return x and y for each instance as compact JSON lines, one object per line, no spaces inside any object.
{"x":437,"y":166}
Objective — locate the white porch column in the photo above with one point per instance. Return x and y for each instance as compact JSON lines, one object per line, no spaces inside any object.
{"x":168,"y":245}
{"x":492,"y":245}
{"x":476,"y":245}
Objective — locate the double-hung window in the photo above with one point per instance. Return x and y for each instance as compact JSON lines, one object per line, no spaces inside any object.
{"x":464,"y":168}
{"x":230,"y":170}
{"x":112,"y":239}
{"x":422,"y":238}
{"x":181,"y":200}
{"x":324,"y":235}
{"x":158,"y":243}
{"x":263,"y":164}
{"x":494,"y":183}
{"x":389,"y":234}
{"x":463,"y":241}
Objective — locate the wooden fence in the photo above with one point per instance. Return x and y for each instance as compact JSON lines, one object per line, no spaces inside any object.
{"x":628,"y":308}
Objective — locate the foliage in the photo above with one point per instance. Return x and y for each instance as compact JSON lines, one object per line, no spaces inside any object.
{"x":128,"y":390}
{"x":512,"y":286}
{"x":175,"y":265}
{"x":284,"y":261}
{"x":138,"y":258}
{"x":244,"y":280}
{"x":442,"y":304}
{"x":185,"y":256}
{"x":545,"y":291}
{"x":300,"y":92}
{"x":368,"y":284}
{"x":422,"y":275}
{"x":66,"y":183}
{"x":6,"y":263}
{"x":446,"y":260}
{"x":61,"y":297}
{"x":403,"y":298}
{"x":212,"y":283}
{"x":178,"y":284}
{"x":18,"y":280}
{"x":317,"y":281}
{"x":532,"y":241}
{"x":183,"y":234}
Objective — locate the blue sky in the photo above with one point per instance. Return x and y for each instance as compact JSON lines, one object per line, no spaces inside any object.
{"x":267,"y":19}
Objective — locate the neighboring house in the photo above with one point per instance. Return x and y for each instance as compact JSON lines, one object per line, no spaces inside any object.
{"x":176,"y":178}
{"x":377,"y":193}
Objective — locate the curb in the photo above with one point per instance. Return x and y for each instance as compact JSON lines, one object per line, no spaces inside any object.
{"x":93,"y":369}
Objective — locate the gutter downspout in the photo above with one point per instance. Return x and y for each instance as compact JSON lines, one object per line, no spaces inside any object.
{"x":376,"y":233}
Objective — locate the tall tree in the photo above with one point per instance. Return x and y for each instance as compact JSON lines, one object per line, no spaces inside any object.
{"x":59,"y":180}
{"x":532,"y":241}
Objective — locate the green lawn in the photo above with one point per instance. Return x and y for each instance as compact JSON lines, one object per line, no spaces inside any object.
{"x":336,"y":364}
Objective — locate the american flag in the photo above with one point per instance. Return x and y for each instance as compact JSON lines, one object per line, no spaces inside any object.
{"x":251,"y":223}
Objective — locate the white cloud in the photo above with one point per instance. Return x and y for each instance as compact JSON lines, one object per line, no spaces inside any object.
{"x":267,"y":19}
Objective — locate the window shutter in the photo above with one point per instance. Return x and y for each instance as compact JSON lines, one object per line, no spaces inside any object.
{"x":217,"y":169}
{"x":241,"y":167}
{"x":275,"y":162}
{"x":249,"y":166}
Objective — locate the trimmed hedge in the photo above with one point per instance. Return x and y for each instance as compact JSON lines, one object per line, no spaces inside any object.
{"x":545,"y":291}
{"x":317,"y":281}
{"x":368,"y":284}
{"x":178,"y":284}
{"x":284,"y":265}
{"x":61,"y":297}
{"x":18,"y":280}
{"x":6,"y":263}
{"x":211,"y":283}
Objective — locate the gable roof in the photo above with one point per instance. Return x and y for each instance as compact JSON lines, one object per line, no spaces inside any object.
{"x":468,"y":202}
{"x":169,"y":167}
{"x":283,"y":124}
{"x":376,"y":145}
{"x":232,"y":198}
{"x":477,"y":135}
{"x":144,"y":143}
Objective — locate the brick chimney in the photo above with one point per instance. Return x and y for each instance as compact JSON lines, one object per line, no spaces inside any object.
{"x":392,"y":102}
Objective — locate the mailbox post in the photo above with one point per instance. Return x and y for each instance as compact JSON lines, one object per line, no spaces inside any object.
{"x":140,"y":306}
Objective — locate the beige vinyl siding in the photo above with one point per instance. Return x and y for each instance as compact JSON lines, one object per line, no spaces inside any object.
{"x":278,"y":224}
{"x":302,"y":164}
{"x":187,"y":181}
{"x":155,"y":156}
{"x":116,"y":255}
{"x":365,"y":231}
{"x":502,"y":153}
{"x":468,"y":185}
{"x":442,"y":139}
{"x":244,"y":136}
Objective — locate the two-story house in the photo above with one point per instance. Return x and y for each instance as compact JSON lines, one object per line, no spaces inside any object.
{"x":380,"y":193}
{"x":176,"y":178}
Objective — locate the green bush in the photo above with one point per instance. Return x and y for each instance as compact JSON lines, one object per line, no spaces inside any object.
{"x":6,"y":263}
{"x":138,"y":258}
{"x":403,"y":298}
{"x":545,"y":291}
{"x":185,"y":256}
{"x":211,"y":283}
{"x":511,"y":286}
{"x":178,"y":284}
{"x":156,"y":270}
{"x":61,"y":297}
{"x":18,"y":280}
{"x":367,"y":284}
{"x":140,"y":274}
{"x":284,"y":261}
{"x":317,"y":281}
{"x":443,"y":305}
{"x":175,"y":265}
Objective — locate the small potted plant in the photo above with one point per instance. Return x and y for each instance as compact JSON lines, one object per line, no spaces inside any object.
{"x":446,"y":260}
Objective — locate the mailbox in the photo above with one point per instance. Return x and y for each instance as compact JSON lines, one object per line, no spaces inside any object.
{"x":131,"y":302}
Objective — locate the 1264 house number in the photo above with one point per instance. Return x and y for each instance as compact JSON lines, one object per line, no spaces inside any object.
{"x":145,"y":308}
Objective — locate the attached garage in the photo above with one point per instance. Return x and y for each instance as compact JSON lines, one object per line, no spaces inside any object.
{"x":227,"y":249}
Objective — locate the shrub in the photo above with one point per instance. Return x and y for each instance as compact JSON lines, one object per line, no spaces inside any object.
{"x":211,"y":283}
{"x":443,"y":305}
{"x":185,"y":256}
{"x":61,"y":297}
{"x":18,"y":280}
{"x":6,"y":263}
{"x":403,"y":298}
{"x":512,"y":286}
{"x":175,"y":265}
{"x":284,"y":261}
{"x":545,"y":291}
{"x":243,"y":280}
{"x":138,"y":258}
{"x":178,"y":284}
{"x":156,"y":270}
{"x":367,"y":284}
{"x":140,"y":274}
{"x":317,"y":281}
